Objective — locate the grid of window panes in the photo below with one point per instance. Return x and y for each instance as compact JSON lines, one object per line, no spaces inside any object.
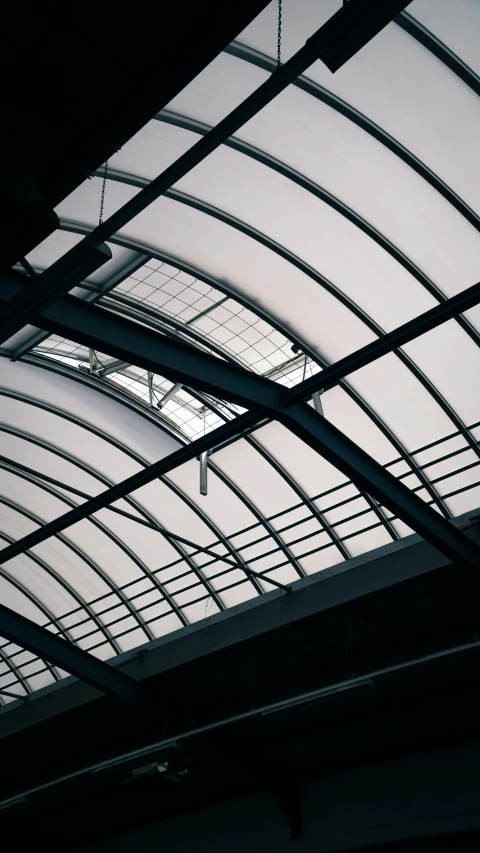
{"x":217,"y":318}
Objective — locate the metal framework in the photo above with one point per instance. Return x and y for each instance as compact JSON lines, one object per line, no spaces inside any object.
{"x":321,"y":280}
{"x":96,"y":328}
{"x":104,"y":677}
{"x":129,"y":309}
{"x":43,"y":300}
{"x":289,"y":527}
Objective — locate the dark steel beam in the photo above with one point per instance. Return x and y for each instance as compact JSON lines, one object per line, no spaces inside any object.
{"x":353,"y":26}
{"x":314,"y":189}
{"x":368,"y":474}
{"x":100,"y":329}
{"x":71,"y":658}
{"x":387,"y":343}
{"x":69,"y":270}
{"x":141,"y":478}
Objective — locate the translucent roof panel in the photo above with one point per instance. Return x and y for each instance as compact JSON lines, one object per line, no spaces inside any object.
{"x":346,"y":207}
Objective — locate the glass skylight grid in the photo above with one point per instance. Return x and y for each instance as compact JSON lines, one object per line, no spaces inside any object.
{"x":218,"y":319}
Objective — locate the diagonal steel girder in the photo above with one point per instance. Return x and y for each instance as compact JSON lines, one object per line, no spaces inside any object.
{"x":100,"y":329}
{"x":335,"y":42}
{"x":72,"y":659}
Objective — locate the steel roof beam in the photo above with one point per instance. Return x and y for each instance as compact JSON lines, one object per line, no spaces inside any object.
{"x":69,"y":270}
{"x":71,"y":658}
{"x":98,"y":328}
{"x":353,"y":26}
{"x":389,"y":342}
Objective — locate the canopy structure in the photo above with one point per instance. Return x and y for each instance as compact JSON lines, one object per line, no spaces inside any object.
{"x":344,"y":208}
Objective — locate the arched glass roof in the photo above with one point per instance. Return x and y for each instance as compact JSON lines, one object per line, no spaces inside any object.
{"x":348,"y":206}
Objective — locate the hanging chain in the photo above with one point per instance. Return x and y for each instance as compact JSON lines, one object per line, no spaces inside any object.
{"x":279,"y":35}
{"x":102,"y":199}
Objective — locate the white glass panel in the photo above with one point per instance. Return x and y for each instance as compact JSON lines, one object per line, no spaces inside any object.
{"x":332,"y":151}
{"x":401,"y":528}
{"x":57,"y":244}
{"x":239,"y":594}
{"x":313,"y":231}
{"x":448,"y":445}
{"x":300,"y":19}
{"x":221,"y":504}
{"x":110,"y":558}
{"x":41,"y":585}
{"x":30,"y":497}
{"x":18,"y":601}
{"x":200,"y":610}
{"x":78,"y":441}
{"x":451,"y":360}
{"x":313,"y":563}
{"x":256,"y":477}
{"x":400,"y":400}
{"x":218,"y":89}
{"x":131,"y":640}
{"x":398,"y":84}
{"x":149,"y":546}
{"x":160,"y":627}
{"x":459,"y":481}
{"x":369,"y":540}
{"x":413,"y":96}
{"x":109,"y":416}
{"x":456,"y":24}
{"x":152,"y":150}
{"x":46,"y":462}
{"x":473,"y":316}
{"x":241,"y":186}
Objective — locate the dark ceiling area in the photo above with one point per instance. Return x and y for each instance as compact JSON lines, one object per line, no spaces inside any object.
{"x":82,"y":80}
{"x":408,"y":653}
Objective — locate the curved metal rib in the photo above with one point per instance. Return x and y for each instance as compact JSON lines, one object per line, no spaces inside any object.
{"x":338,"y":294}
{"x":321,"y":193}
{"x":267,"y":64}
{"x":54,"y":574}
{"x":143,"y":512}
{"x":89,"y":470}
{"x":426,"y":38}
{"x":30,"y":476}
{"x":129,"y":308}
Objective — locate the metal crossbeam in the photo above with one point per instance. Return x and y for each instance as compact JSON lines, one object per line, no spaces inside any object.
{"x":353,"y":26}
{"x":387,"y":343}
{"x":178,"y":361}
{"x":73,"y":659}
{"x":69,"y":270}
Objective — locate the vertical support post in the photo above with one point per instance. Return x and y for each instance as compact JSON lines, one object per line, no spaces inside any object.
{"x":91,"y":360}
{"x":150,"y":388}
{"x":203,"y":472}
{"x":317,"y":403}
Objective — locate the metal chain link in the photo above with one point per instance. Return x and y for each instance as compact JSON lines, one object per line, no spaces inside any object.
{"x":279,"y":35}
{"x":102,"y":199}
